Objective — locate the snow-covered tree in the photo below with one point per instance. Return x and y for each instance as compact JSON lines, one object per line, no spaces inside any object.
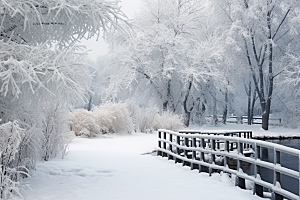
{"x":170,"y":55}
{"x":42,"y":70}
{"x":263,"y":31}
{"x":65,"y":22}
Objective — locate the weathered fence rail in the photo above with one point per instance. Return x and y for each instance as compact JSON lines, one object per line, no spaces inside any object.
{"x":203,"y":152}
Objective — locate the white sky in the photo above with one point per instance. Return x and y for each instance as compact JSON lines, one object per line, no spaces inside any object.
{"x":129,"y":7}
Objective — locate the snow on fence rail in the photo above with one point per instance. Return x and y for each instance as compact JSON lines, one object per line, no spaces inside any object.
{"x":256,"y":120}
{"x":204,"y":152}
{"x":244,"y":119}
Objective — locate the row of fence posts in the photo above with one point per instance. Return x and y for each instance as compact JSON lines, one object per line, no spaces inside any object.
{"x":228,"y":146}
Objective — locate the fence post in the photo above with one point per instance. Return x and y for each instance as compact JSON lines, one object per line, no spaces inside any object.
{"x":245,"y":136}
{"x":213,"y":157}
{"x":276,"y":175}
{"x":194,"y":144}
{"x":248,"y":136}
{"x":257,"y":189}
{"x":203,"y":144}
{"x":240,"y":181}
{"x":213,"y":148}
{"x":226,"y":161}
{"x":178,"y":149}
{"x":202,"y":158}
{"x":165,"y":145}
{"x":186,"y":144}
{"x":159,"y":153}
{"x":170,"y":157}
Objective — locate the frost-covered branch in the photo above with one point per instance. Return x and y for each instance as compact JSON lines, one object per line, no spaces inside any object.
{"x":39,"y":67}
{"x":38,"y":21}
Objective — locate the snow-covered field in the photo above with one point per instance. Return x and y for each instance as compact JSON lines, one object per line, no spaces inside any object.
{"x":122,"y":167}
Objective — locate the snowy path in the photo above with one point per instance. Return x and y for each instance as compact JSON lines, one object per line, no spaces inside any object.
{"x":113,"y":168}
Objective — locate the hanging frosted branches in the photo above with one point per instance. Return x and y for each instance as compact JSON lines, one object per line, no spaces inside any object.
{"x":42,"y":74}
{"x":39,"y":67}
{"x":38,"y":21}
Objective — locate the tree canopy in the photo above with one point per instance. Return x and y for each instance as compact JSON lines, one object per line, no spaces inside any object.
{"x":64,"y":22}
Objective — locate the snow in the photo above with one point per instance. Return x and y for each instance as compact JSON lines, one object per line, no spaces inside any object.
{"x":122,"y":167}
{"x":257,"y":131}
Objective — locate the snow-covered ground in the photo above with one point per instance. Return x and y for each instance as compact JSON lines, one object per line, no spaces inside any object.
{"x":122,"y":167}
{"x":116,"y":167}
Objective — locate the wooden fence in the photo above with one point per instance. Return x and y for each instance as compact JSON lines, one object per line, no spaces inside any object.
{"x":192,"y":148}
{"x":244,"y":119}
{"x":256,"y":120}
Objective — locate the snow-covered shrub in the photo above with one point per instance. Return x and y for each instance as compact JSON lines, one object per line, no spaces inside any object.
{"x":145,"y":119}
{"x":113,"y":117}
{"x":167,"y":120}
{"x":10,"y":138}
{"x":142,"y":117}
{"x":83,"y":122}
{"x":30,"y":149}
{"x":108,"y":117}
{"x":135,"y":111}
{"x":121,"y":117}
{"x":30,"y":116}
{"x":56,"y":134}
{"x":104,"y":119}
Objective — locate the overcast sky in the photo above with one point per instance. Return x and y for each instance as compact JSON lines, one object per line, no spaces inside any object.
{"x":99,"y":47}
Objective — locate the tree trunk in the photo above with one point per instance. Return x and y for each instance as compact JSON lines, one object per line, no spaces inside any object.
{"x":249,"y":104}
{"x":187,"y":119}
{"x":165,"y":106}
{"x":203,"y":109}
{"x":186,"y":110}
{"x":168,"y":104}
{"x":89,"y":106}
{"x":225,"y":107}
{"x":200,"y":112}
{"x":215,"y":114}
{"x":266,"y":112}
{"x":265,"y":120}
{"x":252,"y":106}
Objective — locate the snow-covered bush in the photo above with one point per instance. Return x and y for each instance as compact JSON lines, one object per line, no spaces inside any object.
{"x":142,"y":117}
{"x":83,"y":122}
{"x":56,"y":134}
{"x":108,"y":117}
{"x":121,"y":117}
{"x":30,"y":149}
{"x":145,"y":119}
{"x":10,"y":139}
{"x":167,"y":120}
{"x":113,"y":117}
